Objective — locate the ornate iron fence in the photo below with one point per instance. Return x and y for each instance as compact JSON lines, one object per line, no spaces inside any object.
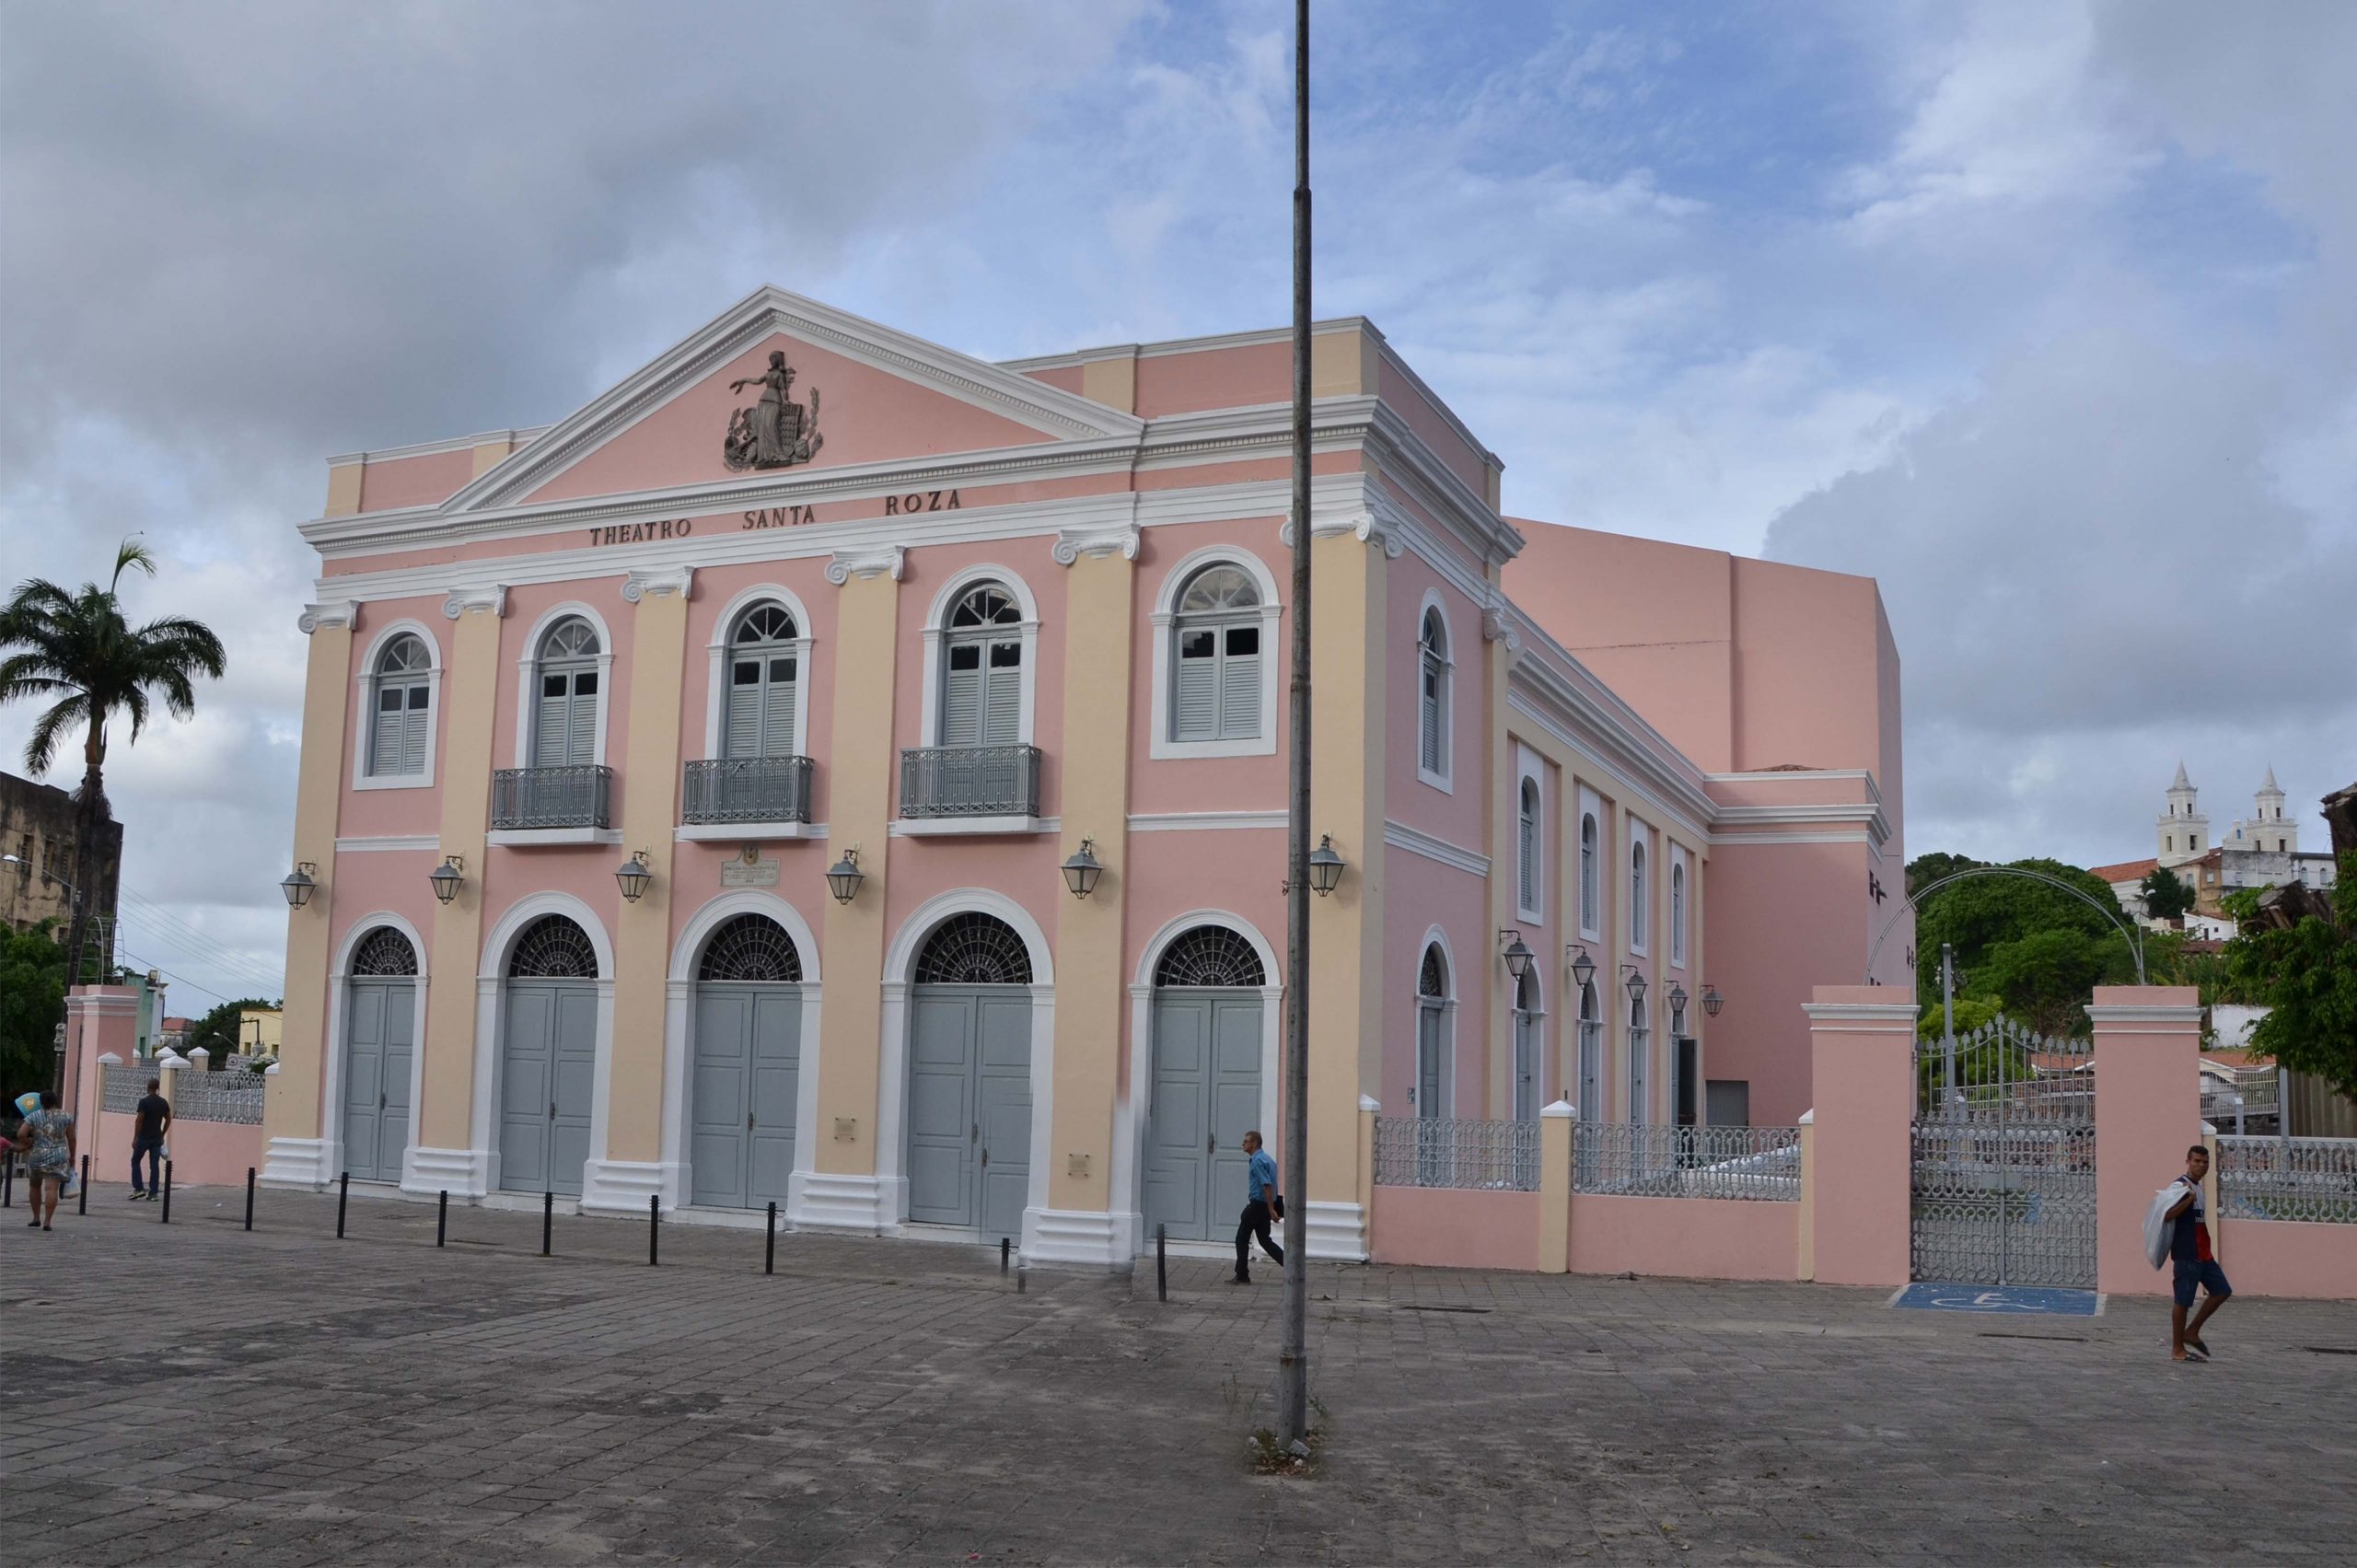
{"x":121,"y":1085}
{"x":749,"y":789}
{"x":969,"y":781}
{"x":2004,"y":1182}
{"x":552,"y":797}
{"x":196,"y":1096}
{"x":1416,"y":1151}
{"x":2288,"y":1179}
{"x":1652,"y":1161}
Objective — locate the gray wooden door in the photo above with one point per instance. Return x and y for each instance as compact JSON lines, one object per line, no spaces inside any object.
{"x":1428,"y":1061}
{"x":1526,"y":1066}
{"x":1206,"y":1095}
{"x":970,"y":1106}
{"x":547,"y":1078}
{"x":744,"y":1094}
{"x":379,"y":1023}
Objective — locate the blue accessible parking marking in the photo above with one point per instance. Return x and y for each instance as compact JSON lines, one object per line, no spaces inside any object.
{"x":2000,"y":1299}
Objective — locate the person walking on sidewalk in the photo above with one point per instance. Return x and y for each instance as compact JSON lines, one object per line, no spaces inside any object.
{"x":46,"y":1137}
{"x":2196,"y":1268}
{"x":1261,"y":1202}
{"x":154,"y":1115}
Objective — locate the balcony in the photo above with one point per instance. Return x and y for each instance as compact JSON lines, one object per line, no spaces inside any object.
{"x":734,"y":798}
{"x":971,"y":789}
{"x":551,"y":804}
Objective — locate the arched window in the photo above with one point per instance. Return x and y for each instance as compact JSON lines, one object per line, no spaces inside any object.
{"x":1640,"y":1059}
{"x":1588,"y":874}
{"x":552,"y":947}
{"x":1526,"y":847}
{"x":1216,"y":657}
{"x":565,"y":729}
{"x":400,"y":709}
{"x":764,"y":676}
{"x":981,"y":687}
{"x":1529,"y":1056}
{"x":384,"y":951}
{"x":1591,"y":1106}
{"x":751,"y":947}
{"x":1210,"y":957}
{"x":1433,"y":704}
{"x":974,"y":949}
{"x":1637,"y":921}
{"x":1431,"y":1034}
{"x":1676,"y":910}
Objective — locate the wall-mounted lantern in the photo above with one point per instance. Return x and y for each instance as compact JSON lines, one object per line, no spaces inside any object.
{"x":633,"y":875}
{"x":298,"y":886}
{"x":1517,"y":955}
{"x":1712,"y":1001}
{"x":844,"y":877}
{"x":446,"y":876}
{"x":1677,"y":998}
{"x":1325,"y":866}
{"x":1635,"y":982}
{"x":1582,"y":967}
{"x":1083,"y":869}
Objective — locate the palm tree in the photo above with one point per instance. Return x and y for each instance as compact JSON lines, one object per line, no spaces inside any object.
{"x":77,"y":649}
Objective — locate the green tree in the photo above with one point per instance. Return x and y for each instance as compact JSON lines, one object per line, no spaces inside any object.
{"x":218,"y":1031}
{"x":77,"y":652}
{"x":32,"y":998}
{"x":2030,"y":946}
{"x":1926,"y":869}
{"x":2166,"y":896}
{"x":2305,"y":974}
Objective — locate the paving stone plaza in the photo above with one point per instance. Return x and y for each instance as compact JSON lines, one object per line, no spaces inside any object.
{"x":194,"y":1394}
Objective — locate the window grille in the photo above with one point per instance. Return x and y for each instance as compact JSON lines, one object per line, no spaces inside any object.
{"x":552,"y":947}
{"x":384,"y":951}
{"x":974,"y":949}
{"x":1210,"y":957}
{"x":751,"y":947}
{"x":1432,"y":980}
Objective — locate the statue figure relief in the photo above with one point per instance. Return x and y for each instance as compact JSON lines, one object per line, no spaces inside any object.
{"x":775,"y":433}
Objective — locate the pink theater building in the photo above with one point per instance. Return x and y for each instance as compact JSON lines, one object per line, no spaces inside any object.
{"x":595,"y":710}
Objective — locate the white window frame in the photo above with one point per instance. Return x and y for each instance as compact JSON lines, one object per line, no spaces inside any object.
{"x":936,"y":634}
{"x":365,"y":700}
{"x":1591,"y":868}
{"x":1681,"y":901}
{"x":1431,"y":606}
{"x":1640,"y":886}
{"x":1436,"y":937}
{"x":717,"y":693}
{"x":1530,"y":773}
{"x":1516,"y":1012}
{"x":527,"y":690}
{"x":1160,"y":745}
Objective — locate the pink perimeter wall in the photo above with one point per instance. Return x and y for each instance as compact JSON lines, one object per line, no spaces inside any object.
{"x":2285,"y":1257}
{"x":1455,"y":1228}
{"x":1700,"y":1238}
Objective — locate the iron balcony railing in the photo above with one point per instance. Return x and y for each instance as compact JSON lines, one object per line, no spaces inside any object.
{"x":552,"y":797}
{"x":2288,"y":1179}
{"x":969,"y":781}
{"x":1413,"y":1151}
{"x":1656,"y":1161}
{"x":749,"y":789}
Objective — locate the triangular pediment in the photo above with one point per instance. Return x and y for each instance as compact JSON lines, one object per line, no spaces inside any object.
{"x":881,"y":396}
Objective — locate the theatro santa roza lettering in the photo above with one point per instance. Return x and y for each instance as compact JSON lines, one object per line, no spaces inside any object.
{"x":999,"y":750}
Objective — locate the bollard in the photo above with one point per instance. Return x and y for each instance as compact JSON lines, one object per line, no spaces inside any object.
{"x":442,"y":1217}
{"x":343,"y":1196}
{"x":82,"y":1202}
{"x":654,"y":1224}
{"x":167,"y":1192}
{"x":769,"y":1258}
{"x":1005,"y":1250}
{"x":8,"y":1178}
{"x":1021,"y":1279}
{"x":250,"y":1197}
{"x":548,"y":1221}
{"x":1161,"y":1262}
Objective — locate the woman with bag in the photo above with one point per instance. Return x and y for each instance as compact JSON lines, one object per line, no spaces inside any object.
{"x":46,"y":1138}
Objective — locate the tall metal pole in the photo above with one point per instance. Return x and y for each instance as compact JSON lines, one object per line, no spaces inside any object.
{"x":1947,"y":1022}
{"x":1292,"y":1357}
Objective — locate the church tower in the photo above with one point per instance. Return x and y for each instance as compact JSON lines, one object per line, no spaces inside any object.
{"x":2182,"y":831}
{"x":2268,"y":828}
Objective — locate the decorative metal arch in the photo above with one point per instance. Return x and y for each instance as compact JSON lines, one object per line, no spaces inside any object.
{"x":1431,"y":979}
{"x":384,"y":951}
{"x":552,"y":947}
{"x":1210,"y":957}
{"x":1914,"y":903}
{"x":973,"y":949}
{"x":751,"y":947}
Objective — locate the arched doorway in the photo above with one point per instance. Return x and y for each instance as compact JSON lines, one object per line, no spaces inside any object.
{"x":745,"y":1088}
{"x":1528,"y":1057}
{"x":379,"y":1042}
{"x":548,"y":1059}
{"x":1206,"y":1082}
{"x":969,"y":1077}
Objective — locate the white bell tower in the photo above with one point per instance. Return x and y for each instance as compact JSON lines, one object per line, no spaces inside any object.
{"x":2182,"y":833}
{"x":2268,"y":828}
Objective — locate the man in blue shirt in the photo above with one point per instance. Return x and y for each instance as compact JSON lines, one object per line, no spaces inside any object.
{"x":2197,"y":1265}
{"x":1260,"y":1201}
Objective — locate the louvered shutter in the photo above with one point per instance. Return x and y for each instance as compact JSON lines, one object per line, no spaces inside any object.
{"x":384,"y":733}
{"x":1002,"y":715}
{"x":1240,"y":694}
{"x":581,"y":740}
{"x":962,"y":707}
{"x":777,"y":709}
{"x":1429,"y":721}
{"x":1197,"y":694}
{"x":1530,"y":854}
{"x":744,"y":720}
{"x":415,"y":719}
{"x":548,"y":737}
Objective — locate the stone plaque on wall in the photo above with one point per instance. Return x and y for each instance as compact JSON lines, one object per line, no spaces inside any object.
{"x":751,"y":869}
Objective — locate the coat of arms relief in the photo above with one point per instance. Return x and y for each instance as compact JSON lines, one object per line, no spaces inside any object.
{"x":774,"y":433}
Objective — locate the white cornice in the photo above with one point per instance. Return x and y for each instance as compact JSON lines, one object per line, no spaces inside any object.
{"x":849,"y":563}
{"x":333,"y":613}
{"x":474,"y":595}
{"x":658,"y":581}
{"x":1592,"y":733}
{"x":1895,"y":1016}
{"x":1118,"y":538}
{"x":386,"y":842}
{"x":1862,"y":814}
{"x":1194,"y":821}
{"x":1415,"y":841}
{"x":2186,"y":1017}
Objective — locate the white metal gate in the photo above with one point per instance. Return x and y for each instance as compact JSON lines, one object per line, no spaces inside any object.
{"x":2003,"y":1180}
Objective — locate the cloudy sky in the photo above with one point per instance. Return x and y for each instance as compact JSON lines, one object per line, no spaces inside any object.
{"x":2045,"y":314}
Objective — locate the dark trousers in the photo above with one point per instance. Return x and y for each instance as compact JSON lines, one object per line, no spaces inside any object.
{"x":154,"y":1149}
{"x":1254,"y":1223}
